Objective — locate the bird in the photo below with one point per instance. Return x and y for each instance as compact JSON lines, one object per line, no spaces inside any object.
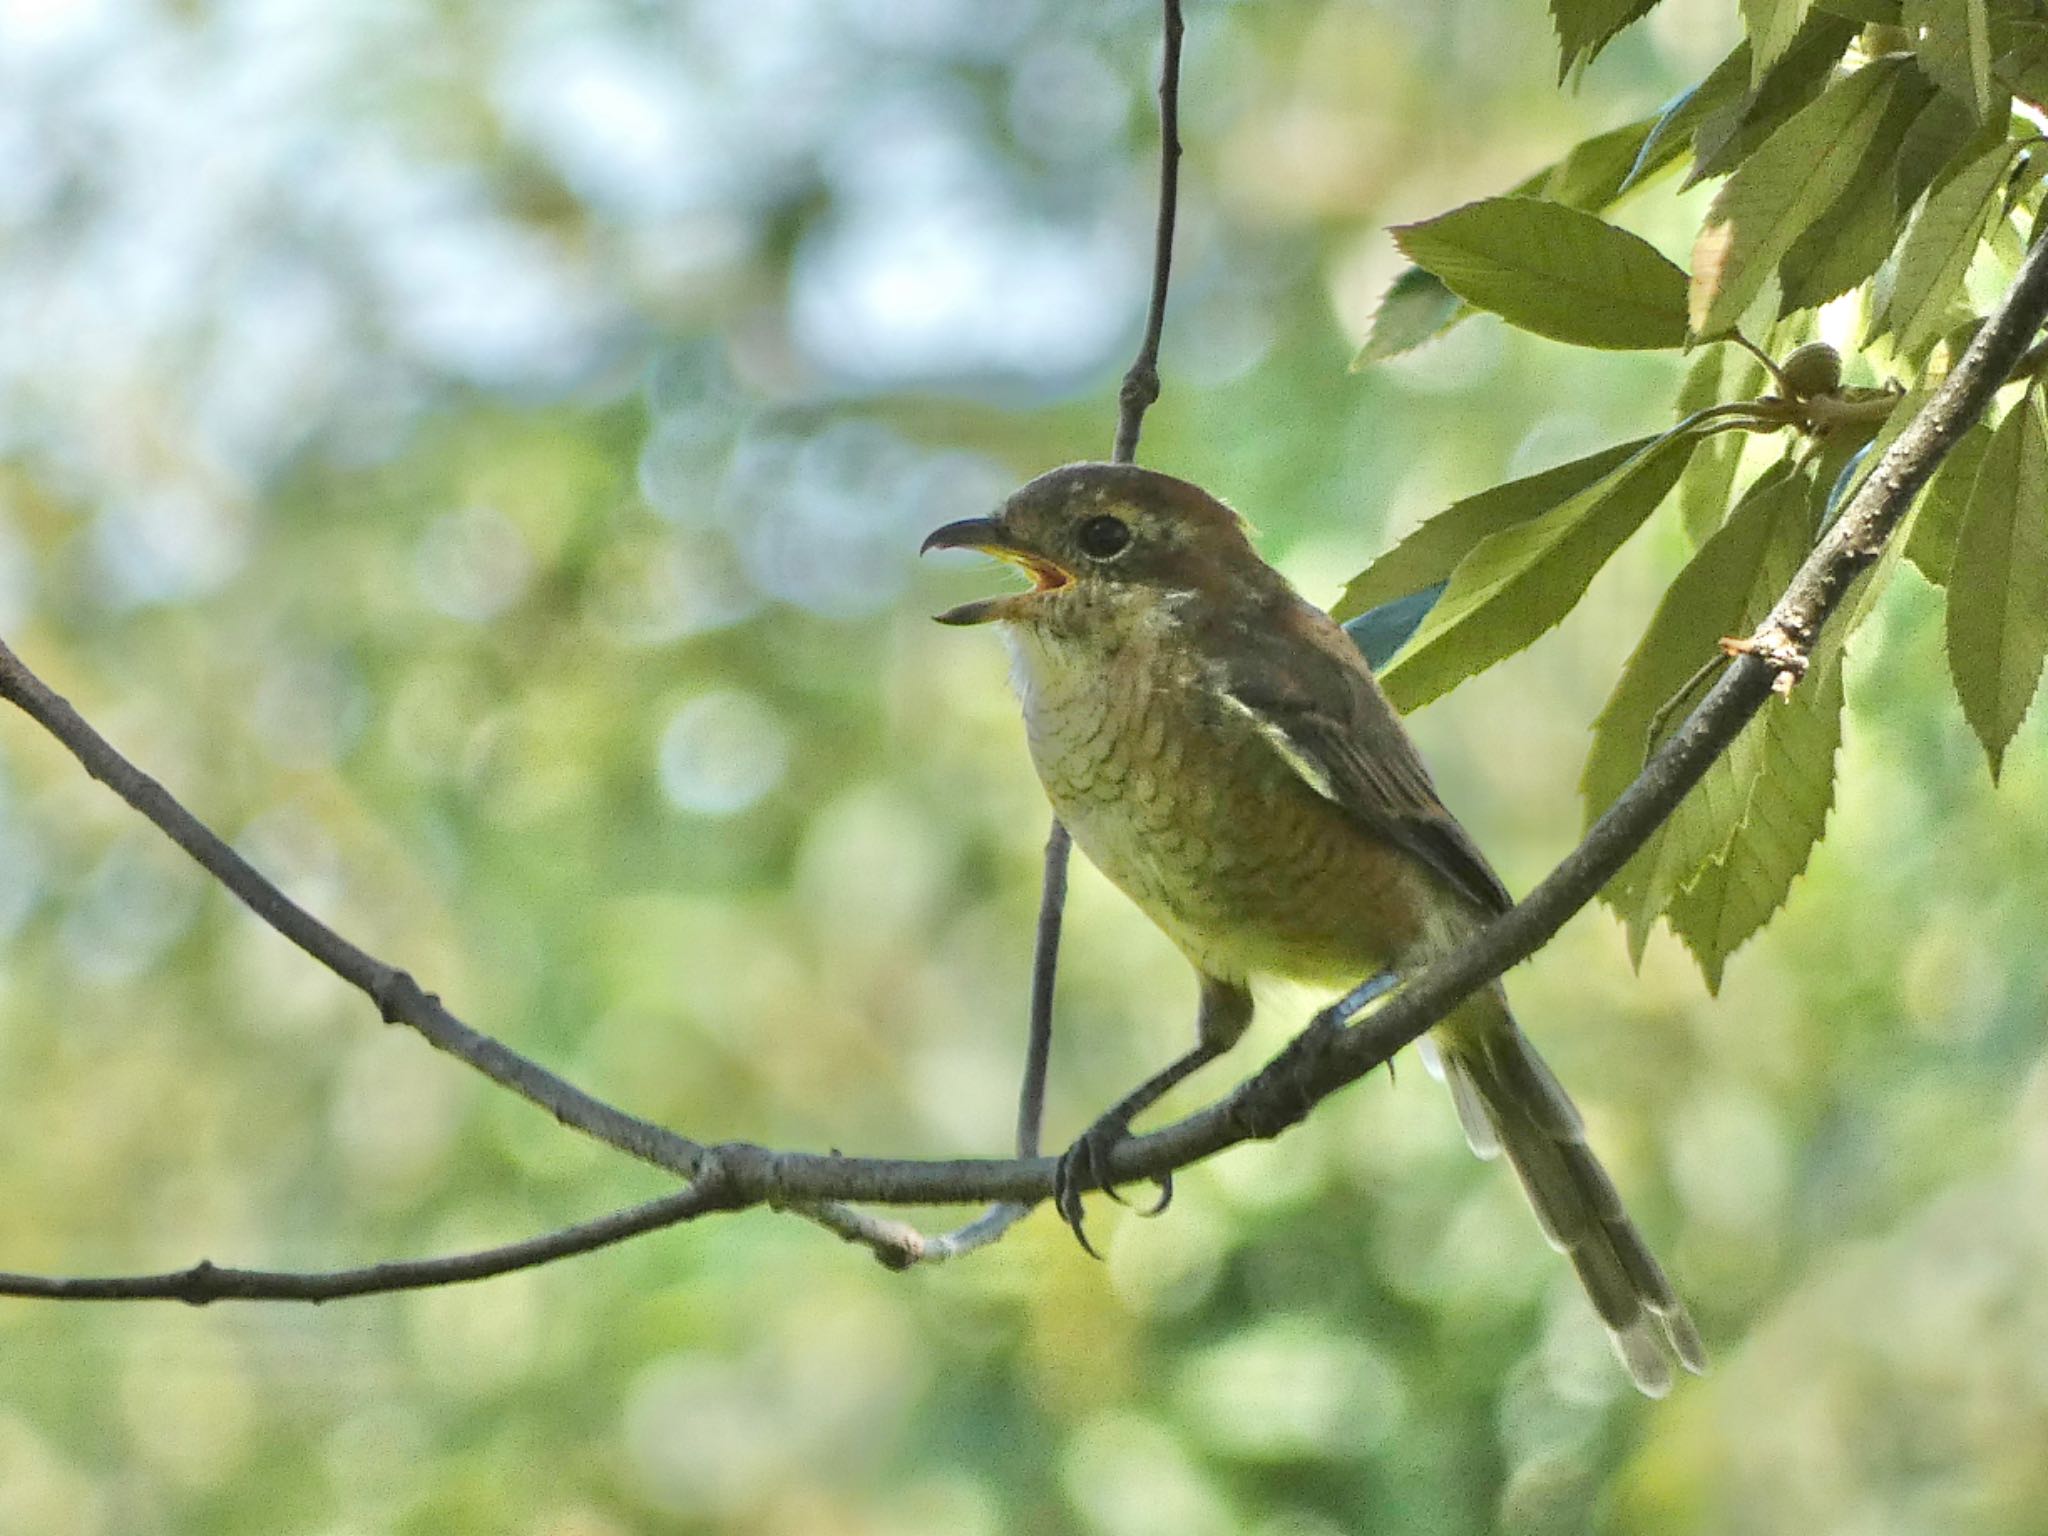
{"x":1220,"y":750}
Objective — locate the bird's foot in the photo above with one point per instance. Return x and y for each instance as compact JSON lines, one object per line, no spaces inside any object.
{"x":1085,"y":1165}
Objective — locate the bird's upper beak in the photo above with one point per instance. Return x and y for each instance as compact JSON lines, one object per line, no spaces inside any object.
{"x":990,"y":537}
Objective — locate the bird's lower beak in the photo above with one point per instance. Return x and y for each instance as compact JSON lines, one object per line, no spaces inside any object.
{"x":990,"y":537}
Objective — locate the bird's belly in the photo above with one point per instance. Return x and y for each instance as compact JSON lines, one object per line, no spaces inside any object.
{"x":1219,"y":841}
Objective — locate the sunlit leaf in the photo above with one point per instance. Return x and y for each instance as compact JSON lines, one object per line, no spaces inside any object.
{"x":1783,"y":816}
{"x":1416,"y":307}
{"x":1718,"y":374}
{"x":1998,"y":582}
{"x":1519,"y":582}
{"x":1851,"y":238}
{"x":1953,"y":45}
{"x":1427,"y":556}
{"x":1936,"y":252}
{"x":1780,"y":190}
{"x":1728,"y":133}
{"x":1941,"y":132}
{"x":1584,"y":27}
{"x":1724,"y":591}
{"x":1772,"y":25}
{"x":1594,"y":171}
{"x":1555,"y":271}
{"x":1932,"y":546}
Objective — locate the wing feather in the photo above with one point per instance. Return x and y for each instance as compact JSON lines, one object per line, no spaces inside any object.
{"x":1319,"y":708}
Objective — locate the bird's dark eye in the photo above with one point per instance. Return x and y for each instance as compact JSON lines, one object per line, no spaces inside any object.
{"x":1104,"y":537}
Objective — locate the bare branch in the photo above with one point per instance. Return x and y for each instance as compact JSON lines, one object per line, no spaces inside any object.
{"x":207,"y":1282}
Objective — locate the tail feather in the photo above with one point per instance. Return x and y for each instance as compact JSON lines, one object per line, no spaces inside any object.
{"x":1508,"y":1101}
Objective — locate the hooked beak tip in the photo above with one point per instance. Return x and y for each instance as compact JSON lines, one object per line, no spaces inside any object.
{"x":968,"y":533}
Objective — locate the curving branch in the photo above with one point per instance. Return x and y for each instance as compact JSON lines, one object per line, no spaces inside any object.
{"x":739,"y":1176}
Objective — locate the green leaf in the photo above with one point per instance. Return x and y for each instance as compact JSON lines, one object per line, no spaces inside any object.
{"x":1772,"y":25}
{"x":1728,"y":134}
{"x":1555,"y":271}
{"x":1881,"y":12}
{"x":1415,"y":308}
{"x":1998,"y":582}
{"x":1942,"y":131}
{"x":1932,"y":545}
{"x":1593,"y":175}
{"x":1953,"y":45}
{"x":1780,"y":190}
{"x":1718,"y":374}
{"x":1593,"y":172}
{"x":1672,"y":127}
{"x":1913,"y":301}
{"x":1519,"y":582}
{"x":1850,"y":240}
{"x":1779,"y":822}
{"x":1429,"y":554}
{"x":1724,"y":591}
{"x":1584,"y":27}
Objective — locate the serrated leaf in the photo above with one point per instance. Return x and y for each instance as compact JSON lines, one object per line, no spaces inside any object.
{"x":1593,"y":175}
{"x":1952,"y":41}
{"x":1519,"y":582}
{"x":1772,"y":25}
{"x":1780,"y":190}
{"x":1725,"y":590}
{"x":1728,"y":134}
{"x":1416,"y":307}
{"x":1584,"y":27}
{"x":1941,"y":132}
{"x":1735,"y":893}
{"x":1555,"y":271}
{"x":1932,"y":543}
{"x":1937,"y":250}
{"x":1998,"y":582}
{"x":1718,"y":374}
{"x":1427,"y":556}
{"x":1851,"y":238}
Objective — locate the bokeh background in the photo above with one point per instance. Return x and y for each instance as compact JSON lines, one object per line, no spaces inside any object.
{"x":475,"y":454}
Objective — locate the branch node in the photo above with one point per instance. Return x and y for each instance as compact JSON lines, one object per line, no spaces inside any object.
{"x":399,"y":998}
{"x":200,"y":1285}
{"x":1780,"y":650}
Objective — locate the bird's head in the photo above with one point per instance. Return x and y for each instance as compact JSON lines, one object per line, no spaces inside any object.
{"x":1103,"y":540}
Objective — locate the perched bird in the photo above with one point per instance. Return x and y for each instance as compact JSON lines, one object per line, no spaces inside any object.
{"x":1220,"y":750}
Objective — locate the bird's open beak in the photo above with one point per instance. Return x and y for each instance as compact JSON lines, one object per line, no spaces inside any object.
{"x":989,"y":536}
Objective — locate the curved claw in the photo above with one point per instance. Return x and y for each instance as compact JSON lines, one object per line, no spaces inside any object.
{"x":1086,"y":1164}
{"x":1066,"y":1199}
{"x":1165,"y":1199}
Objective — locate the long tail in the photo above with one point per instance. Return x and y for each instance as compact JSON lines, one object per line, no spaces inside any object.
{"x":1508,"y":1101}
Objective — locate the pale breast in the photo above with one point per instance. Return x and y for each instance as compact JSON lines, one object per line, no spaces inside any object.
{"x":1202,"y":824}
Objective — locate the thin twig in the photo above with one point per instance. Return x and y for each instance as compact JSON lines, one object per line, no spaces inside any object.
{"x":1139,"y":392}
{"x":206,"y":1282}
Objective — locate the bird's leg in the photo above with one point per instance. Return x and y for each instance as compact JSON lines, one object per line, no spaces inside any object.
{"x":1226,"y":1008}
{"x":1313,"y":1044}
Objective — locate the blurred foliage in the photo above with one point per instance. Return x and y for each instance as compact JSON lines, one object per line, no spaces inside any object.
{"x":475,"y":456}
